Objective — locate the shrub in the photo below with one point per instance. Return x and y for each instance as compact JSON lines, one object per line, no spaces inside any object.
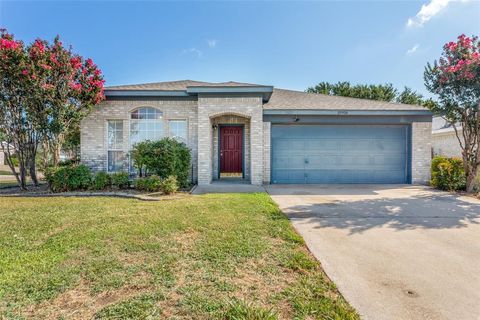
{"x":121,"y":180}
{"x":169,"y":185}
{"x":448,"y":173}
{"x":69,"y":162}
{"x":101,"y":181}
{"x":165,"y":157}
{"x":68,"y":178}
{"x":151,"y":184}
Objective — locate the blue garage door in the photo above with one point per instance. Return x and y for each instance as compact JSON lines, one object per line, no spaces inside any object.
{"x":339,"y":154}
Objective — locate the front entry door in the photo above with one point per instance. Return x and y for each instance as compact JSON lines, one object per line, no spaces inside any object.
{"x":231,"y":151}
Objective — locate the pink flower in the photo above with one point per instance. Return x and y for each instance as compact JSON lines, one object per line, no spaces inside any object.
{"x":9,"y":44}
{"x":90,"y":63}
{"x":47,"y":86}
{"x":53,"y":58}
{"x":75,"y":86}
{"x":45,"y":66}
{"x":25,"y":72}
{"x":38,"y":46}
{"x":76,"y":62}
{"x":97,"y":83}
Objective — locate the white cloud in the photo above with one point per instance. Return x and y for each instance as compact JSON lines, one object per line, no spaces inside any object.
{"x":193,"y":51}
{"x":212,"y":43}
{"x":413,"y":49}
{"x":427,"y":12}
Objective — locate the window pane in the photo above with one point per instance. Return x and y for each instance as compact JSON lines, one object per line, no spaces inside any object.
{"x":178,"y":129}
{"x":147,"y":126}
{"x":115,"y":161}
{"x":115,"y":135}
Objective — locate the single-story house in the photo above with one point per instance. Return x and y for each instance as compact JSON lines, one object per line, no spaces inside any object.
{"x":262,"y":134}
{"x":444,"y":139}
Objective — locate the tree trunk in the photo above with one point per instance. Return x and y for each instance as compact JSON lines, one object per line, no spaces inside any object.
{"x":10,"y":164}
{"x":23,"y":175}
{"x":471,"y":175}
{"x":33,"y":172}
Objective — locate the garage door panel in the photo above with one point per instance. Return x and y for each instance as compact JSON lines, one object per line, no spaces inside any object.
{"x":339,"y":154}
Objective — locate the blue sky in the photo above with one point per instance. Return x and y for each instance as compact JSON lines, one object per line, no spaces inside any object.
{"x":286,"y":44}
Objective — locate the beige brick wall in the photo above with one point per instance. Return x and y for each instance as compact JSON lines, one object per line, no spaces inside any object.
{"x":203,"y":140}
{"x":267,"y":126}
{"x":231,"y":119}
{"x":421,"y":152}
{"x":211,"y":107}
{"x":446,"y":144}
{"x":93,"y":136}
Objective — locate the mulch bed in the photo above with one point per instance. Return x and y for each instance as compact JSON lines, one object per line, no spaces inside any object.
{"x":44,"y":191}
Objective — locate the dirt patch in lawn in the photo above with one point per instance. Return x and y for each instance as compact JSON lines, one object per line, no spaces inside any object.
{"x":79,"y":303}
{"x":199,"y":257}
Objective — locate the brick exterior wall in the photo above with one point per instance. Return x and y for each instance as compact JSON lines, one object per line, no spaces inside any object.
{"x":421,"y":152}
{"x":93,"y":138}
{"x":201,"y":114}
{"x":231,"y":119}
{"x":446,"y":144}
{"x":211,"y":107}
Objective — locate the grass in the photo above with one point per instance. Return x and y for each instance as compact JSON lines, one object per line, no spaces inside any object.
{"x":227,"y":256}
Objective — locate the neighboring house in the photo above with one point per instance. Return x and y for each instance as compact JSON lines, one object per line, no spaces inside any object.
{"x":263,"y":134}
{"x":444,"y":139}
{"x":2,"y":155}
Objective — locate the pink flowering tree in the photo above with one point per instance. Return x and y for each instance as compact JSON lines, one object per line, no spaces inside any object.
{"x":47,"y":89}
{"x":455,"y":78}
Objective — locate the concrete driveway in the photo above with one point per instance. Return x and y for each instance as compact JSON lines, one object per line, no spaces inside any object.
{"x":395,"y":251}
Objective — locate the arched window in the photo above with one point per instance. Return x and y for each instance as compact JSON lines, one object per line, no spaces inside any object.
{"x":146,"y":124}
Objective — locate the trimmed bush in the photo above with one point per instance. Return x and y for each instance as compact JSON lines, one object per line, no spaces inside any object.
{"x":448,"y":173}
{"x":68,"y":178}
{"x":101,"y":181}
{"x":150,"y":184}
{"x":169,"y":185}
{"x":165,"y":157}
{"x":121,"y":180}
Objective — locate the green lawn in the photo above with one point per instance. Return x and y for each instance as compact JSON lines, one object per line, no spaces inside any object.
{"x":229,"y":256}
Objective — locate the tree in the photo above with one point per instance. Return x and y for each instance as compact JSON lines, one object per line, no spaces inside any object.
{"x":381,"y":92}
{"x":45,"y":90}
{"x":68,"y":88}
{"x":15,"y":116}
{"x":408,"y":96}
{"x":455,"y":79}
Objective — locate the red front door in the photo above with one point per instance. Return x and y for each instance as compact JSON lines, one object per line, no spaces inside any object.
{"x":231,"y":149}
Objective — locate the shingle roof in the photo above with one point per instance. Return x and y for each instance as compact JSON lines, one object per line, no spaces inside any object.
{"x":439,"y":125}
{"x":282,"y":99}
{"x":180,"y":85}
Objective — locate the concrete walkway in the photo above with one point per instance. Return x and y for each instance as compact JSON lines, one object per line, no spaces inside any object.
{"x":395,"y":252}
{"x":228,"y":186}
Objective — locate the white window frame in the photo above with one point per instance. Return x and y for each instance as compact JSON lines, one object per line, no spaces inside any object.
{"x":185,"y":140}
{"x":115,"y":148}
{"x":147,"y":122}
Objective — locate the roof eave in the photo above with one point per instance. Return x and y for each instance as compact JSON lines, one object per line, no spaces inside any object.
{"x":266,"y":91}
{"x":145,"y":93}
{"x":346,"y":112}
